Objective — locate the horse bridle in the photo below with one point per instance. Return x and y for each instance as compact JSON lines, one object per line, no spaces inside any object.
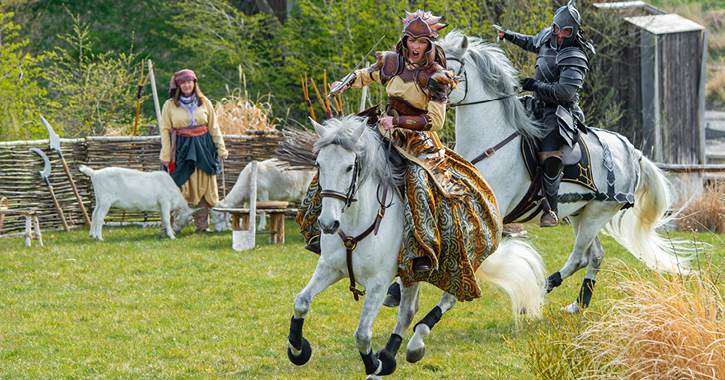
{"x":490,"y":151}
{"x":350,"y":242}
{"x":348,"y":197}
{"x":460,"y":71}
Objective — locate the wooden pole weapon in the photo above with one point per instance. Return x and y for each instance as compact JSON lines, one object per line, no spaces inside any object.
{"x":306,"y":92}
{"x":141,"y":82}
{"x":328,"y":113}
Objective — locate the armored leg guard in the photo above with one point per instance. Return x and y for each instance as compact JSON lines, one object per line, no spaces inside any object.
{"x":551,"y":180}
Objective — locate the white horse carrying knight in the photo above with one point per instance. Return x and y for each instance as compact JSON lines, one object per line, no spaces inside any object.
{"x":421,"y":212}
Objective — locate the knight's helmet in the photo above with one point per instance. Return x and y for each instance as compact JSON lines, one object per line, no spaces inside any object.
{"x":422,"y":24}
{"x":566,"y":24}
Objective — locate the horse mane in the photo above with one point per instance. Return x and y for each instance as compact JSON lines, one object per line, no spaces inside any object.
{"x":498,"y":77}
{"x":369,"y":149}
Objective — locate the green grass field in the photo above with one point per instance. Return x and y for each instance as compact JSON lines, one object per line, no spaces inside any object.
{"x":140,"y":306}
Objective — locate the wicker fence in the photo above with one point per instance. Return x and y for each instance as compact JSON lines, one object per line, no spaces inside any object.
{"x":21,"y":183}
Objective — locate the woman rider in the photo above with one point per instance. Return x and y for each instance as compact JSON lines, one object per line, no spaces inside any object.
{"x":452,"y":220}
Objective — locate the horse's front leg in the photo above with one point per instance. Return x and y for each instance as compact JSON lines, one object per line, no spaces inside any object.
{"x":298,"y":348}
{"x":416,"y":346}
{"x":409,"y":303}
{"x":382,"y":363}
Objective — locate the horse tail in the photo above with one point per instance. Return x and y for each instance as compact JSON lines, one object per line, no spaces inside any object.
{"x":636,"y":228}
{"x":517,"y":268}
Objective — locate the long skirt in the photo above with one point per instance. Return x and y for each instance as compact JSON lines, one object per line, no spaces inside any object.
{"x":457,"y":228}
{"x":197,"y":164}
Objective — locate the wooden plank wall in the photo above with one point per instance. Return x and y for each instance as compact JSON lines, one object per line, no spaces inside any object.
{"x":24,"y":188}
{"x":680,"y":55}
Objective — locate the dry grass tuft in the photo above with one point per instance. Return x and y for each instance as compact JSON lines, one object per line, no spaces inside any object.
{"x":706,"y":212}
{"x":715,"y":86}
{"x":662,"y":328}
{"x":236,"y":114}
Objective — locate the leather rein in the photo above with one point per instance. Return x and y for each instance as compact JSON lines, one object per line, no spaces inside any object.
{"x":350,"y":242}
{"x":461,"y":70}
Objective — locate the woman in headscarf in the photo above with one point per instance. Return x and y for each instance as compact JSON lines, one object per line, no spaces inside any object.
{"x":191,"y":144}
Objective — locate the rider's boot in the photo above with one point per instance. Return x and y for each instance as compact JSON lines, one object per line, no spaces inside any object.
{"x":314,"y":245}
{"x":551,"y":179}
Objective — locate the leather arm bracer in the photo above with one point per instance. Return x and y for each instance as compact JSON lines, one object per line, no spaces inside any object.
{"x":417,"y":123}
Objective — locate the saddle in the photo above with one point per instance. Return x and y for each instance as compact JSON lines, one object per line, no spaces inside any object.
{"x":577,"y":169}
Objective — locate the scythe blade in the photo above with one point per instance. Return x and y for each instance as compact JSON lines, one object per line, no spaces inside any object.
{"x":45,"y":173}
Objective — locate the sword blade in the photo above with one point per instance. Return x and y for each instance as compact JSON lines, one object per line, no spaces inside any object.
{"x":343,"y":82}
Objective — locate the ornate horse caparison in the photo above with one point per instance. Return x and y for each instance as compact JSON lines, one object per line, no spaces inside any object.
{"x":353,"y":165}
{"x":623,"y":176}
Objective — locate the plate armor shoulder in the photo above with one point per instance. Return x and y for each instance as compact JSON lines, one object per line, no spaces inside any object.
{"x":542,"y":37}
{"x":573,"y":56}
{"x":389,"y":63}
{"x":437,"y":82}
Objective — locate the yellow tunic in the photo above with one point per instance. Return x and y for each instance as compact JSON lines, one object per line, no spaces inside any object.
{"x":200,"y":185}
{"x":414,"y":95}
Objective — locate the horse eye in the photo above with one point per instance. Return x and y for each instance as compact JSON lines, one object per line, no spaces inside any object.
{"x":349,"y":169}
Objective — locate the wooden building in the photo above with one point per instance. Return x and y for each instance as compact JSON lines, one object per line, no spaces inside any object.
{"x":661,"y":80}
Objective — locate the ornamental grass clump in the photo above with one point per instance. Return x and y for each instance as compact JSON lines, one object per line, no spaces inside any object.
{"x":662,"y":327}
{"x":236,"y":114}
{"x":706,"y":212}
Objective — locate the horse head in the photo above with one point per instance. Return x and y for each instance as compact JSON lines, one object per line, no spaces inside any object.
{"x":338,"y":167}
{"x":349,"y":154}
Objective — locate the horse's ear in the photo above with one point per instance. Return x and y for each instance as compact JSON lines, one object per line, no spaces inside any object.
{"x":358,"y":132}
{"x":464,"y":43}
{"x":318,"y":127}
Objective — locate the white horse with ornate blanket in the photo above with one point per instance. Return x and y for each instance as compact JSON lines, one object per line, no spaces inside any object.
{"x":356,"y":178}
{"x":632,"y":195}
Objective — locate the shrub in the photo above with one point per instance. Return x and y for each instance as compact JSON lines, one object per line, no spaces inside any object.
{"x":658,"y":327}
{"x":705,"y":212}
{"x":90,"y":94}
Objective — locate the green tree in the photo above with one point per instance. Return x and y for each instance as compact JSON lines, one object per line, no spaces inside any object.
{"x":90,"y":94}
{"x":19,"y":93}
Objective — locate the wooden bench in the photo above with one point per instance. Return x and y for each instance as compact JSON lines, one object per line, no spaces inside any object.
{"x":240,"y":220}
{"x":31,"y":219}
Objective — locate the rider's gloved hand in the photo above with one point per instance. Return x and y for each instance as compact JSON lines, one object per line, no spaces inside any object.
{"x":527,"y":84}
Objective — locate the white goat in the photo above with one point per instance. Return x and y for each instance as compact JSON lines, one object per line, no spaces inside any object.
{"x":275,"y":181}
{"x":134,"y":190}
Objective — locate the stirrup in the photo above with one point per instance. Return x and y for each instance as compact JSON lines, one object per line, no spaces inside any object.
{"x":549,"y":219}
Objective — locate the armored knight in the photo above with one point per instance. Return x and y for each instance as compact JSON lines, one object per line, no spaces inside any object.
{"x":451,"y":220}
{"x":561,"y":67}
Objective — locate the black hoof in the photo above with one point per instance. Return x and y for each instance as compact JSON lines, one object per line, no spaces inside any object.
{"x":304,"y":355}
{"x":415,"y":356}
{"x":391,"y":301}
{"x":388,"y":360}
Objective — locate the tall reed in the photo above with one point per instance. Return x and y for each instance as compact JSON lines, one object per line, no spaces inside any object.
{"x":662,"y":327}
